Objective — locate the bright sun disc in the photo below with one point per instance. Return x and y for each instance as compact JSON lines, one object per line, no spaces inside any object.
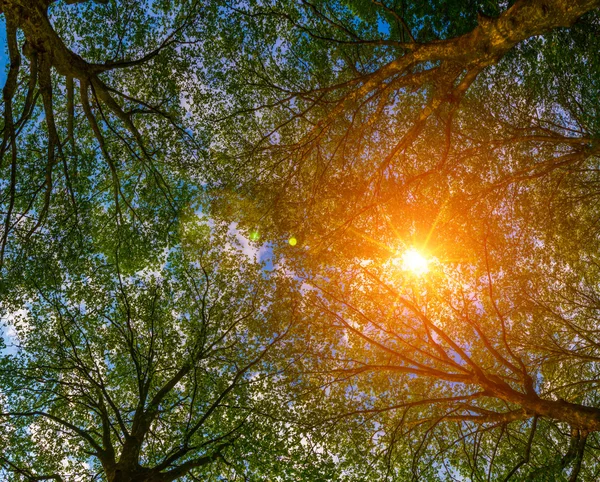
{"x":414,"y":262}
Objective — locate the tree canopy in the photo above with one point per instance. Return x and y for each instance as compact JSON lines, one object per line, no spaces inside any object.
{"x":314,"y":240}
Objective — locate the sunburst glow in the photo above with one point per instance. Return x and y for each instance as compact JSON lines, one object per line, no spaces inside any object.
{"x":415,"y":262}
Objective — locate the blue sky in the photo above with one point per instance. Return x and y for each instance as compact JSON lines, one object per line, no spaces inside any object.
{"x":3,"y":64}
{"x":3,"y":57}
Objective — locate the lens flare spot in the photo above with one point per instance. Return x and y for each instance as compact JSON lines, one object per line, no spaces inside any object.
{"x":293,"y":241}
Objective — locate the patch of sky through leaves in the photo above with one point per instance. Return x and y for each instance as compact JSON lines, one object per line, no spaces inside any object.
{"x":3,"y":52}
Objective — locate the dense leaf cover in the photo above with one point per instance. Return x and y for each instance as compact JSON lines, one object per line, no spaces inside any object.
{"x":205,"y":208}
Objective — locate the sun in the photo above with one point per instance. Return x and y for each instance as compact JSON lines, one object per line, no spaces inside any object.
{"x":414,"y":262}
